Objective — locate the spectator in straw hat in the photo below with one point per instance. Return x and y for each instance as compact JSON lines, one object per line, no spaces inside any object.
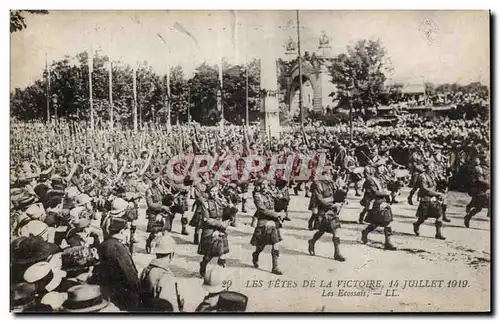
{"x":87,"y":299}
{"x":45,"y":278}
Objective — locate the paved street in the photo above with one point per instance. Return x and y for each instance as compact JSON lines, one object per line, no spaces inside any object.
{"x":451,"y":275}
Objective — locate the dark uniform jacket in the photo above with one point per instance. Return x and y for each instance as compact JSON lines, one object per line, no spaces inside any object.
{"x":264,"y":202}
{"x":212,"y":210}
{"x":322,"y":193}
{"x":117,"y":275}
{"x":427,"y":187}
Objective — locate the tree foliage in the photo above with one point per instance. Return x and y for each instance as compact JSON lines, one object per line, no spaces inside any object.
{"x":359,"y":74}
{"x":69,"y":92}
{"x":17,"y":22}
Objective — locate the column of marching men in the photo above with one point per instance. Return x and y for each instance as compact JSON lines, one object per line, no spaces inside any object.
{"x":75,"y":212}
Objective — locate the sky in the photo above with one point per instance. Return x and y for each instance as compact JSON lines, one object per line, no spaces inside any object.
{"x":434,"y":46}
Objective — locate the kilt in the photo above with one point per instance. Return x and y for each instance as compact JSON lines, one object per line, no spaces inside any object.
{"x":381,"y":217}
{"x":481,"y":200}
{"x":429,"y":209}
{"x":355,"y":177}
{"x":281,"y":204}
{"x":213,"y":246}
{"x":158,"y":222}
{"x":196,"y":219}
{"x":265,"y":235}
{"x":394,"y":185}
{"x":180,"y":205}
{"x":328,"y":222}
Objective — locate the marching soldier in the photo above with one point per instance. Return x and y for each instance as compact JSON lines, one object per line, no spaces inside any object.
{"x":268,"y":227}
{"x":480,"y":193}
{"x":200,"y":194}
{"x":430,"y":200}
{"x":157,"y":213}
{"x":351,"y":163}
{"x":376,"y":205}
{"x":415,"y":170}
{"x":213,"y":241}
{"x":328,"y":214}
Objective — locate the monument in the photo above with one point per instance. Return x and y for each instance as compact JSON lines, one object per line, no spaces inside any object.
{"x":269,"y":107}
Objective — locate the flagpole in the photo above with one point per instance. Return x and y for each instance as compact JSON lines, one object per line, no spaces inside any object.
{"x":134,"y":85}
{"x":300,"y":72}
{"x":91,"y":64}
{"x":168,"y":105}
{"x":111,"y":95}
{"x":219,"y":94}
{"x":47,"y":75}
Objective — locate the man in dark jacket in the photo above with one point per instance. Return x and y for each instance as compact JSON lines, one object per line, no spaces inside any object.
{"x":117,"y":274}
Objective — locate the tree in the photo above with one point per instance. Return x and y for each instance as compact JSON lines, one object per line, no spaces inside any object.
{"x":17,"y":22}
{"x":359,"y":74}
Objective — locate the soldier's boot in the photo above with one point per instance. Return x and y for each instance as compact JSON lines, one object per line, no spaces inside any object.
{"x":438,"y":230}
{"x":203,"y":265}
{"x":296,"y":190}
{"x":254,"y":219}
{"x":255,"y":257}
{"x":356,"y":188}
{"x":184,"y":222}
{"x":410,"y":197}
{"x":445,"y":219}
{"x":388,"y":233}
{"x":366,"y":231}
{"x":275,"y":254}
{"x":336,"y":246}
{"x":243,"y":205}
{"x":307,"y":192}
{"x":286,"y":216}
{"x":221,"y":262}
{"x":312,"y":222}
{"x":361,"y":218}
{"x":467,"y":219}
{"x":393,"y":198}
{"x":416,"y":226}
{"x":468,"y":207}
{"x":196,"y":239}
{"x":311,"y":244}
{"x":148,"y":243}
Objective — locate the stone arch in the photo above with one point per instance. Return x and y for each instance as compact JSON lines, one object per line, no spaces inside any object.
{"x":310,"y":72}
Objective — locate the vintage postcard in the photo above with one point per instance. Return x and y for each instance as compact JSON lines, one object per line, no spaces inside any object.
{"x":250,"y":161}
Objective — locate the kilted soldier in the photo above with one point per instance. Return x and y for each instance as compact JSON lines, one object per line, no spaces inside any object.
{"x":200,"y":194}
{"x":213,"y":241}
{"x":376,"y":203}
{"x":415,"y":168}
{"x":480,"y":193}
{"x":158,"y":214}
{"x":350,"y":164}
{"x":176,"y":200}
{"x":430,"y":205}
{"x":328,"y":214}
{"x":268,"y":227}
{"x":282,"y":198}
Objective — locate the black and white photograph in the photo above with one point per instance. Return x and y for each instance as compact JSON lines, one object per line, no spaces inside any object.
{"x":257,"y":161}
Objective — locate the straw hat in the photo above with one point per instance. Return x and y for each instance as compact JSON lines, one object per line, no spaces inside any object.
{"x":35,"y":228}
{"x":84,"y":298}
{"x":43,"y":273}
{"x":118,"y":206}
